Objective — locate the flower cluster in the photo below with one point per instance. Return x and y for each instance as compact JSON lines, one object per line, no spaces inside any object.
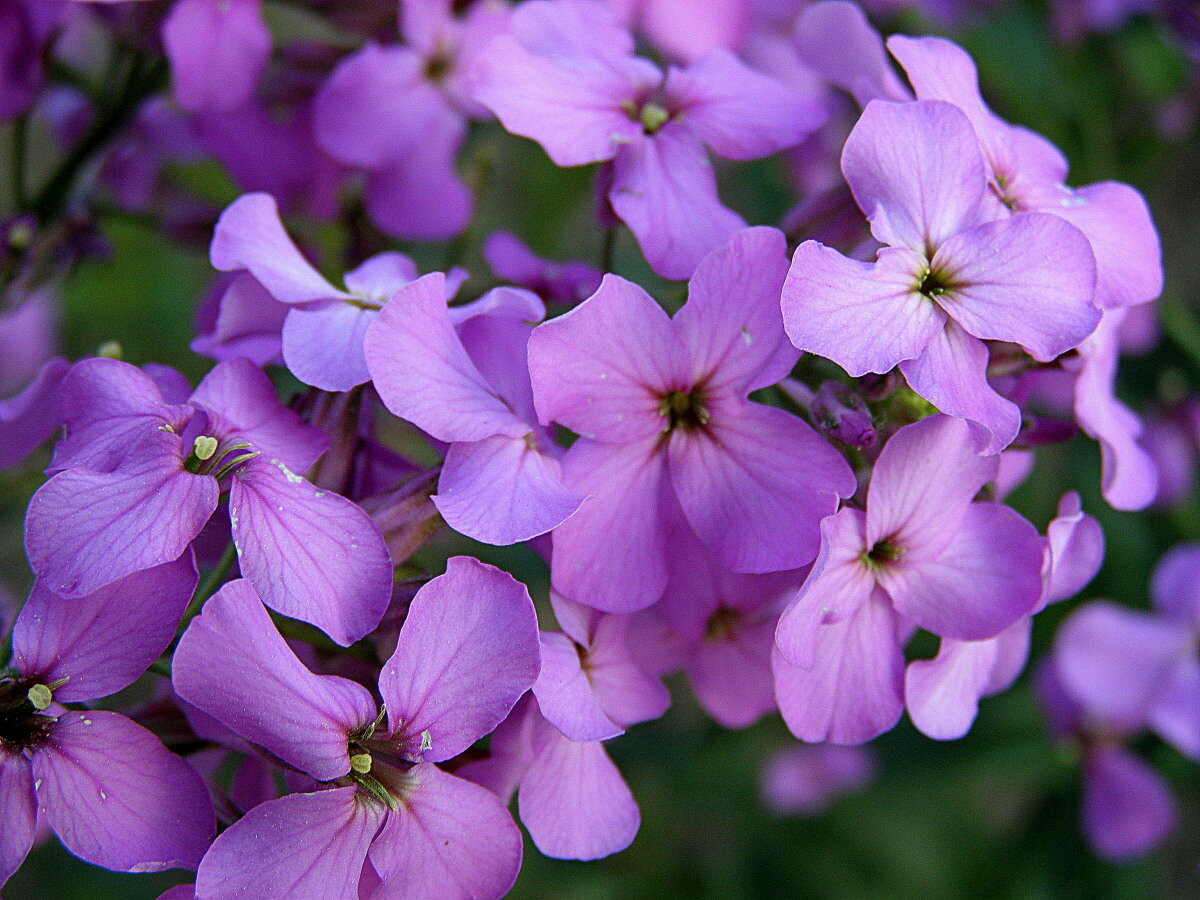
{"x":780,"y":479}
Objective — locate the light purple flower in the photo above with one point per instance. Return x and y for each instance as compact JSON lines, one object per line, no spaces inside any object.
{"x":942,"y":694}
{"x":1134,"y":669}
{"x":674,"y":27}
{"x":804,"y":779}
{"x":461,"y":376}
{"x":661,"y":408}
{"x":218,"y":49}
{"x":106,"y":786}
{"x":1026,"y":172}
{"x":139,"y":477}
{"x":564,"y":283}
{"x":323,"y":330}
{"x":399,"y":112}
{"x":950,"y":275}
{"x":383,"y":807}
{"x":922,"y":553}
{"x":567,"y":78}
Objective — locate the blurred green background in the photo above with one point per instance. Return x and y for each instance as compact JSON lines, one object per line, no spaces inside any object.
{"x":992,"y":815}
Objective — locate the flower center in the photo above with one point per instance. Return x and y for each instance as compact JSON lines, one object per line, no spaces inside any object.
{"x":22,"y":723}
{"x":883,"y":554}
{"x":684,"y":410}
{"x":722,"y":624}
{"x":651,"y":114}
{"x":934,"y":284}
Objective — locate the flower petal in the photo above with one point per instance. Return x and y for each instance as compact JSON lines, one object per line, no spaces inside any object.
{"x":502,"y":491}
{"x":665,"y":190}
{"x":116,"y":798}
{"x":468,"y":650}
{"x":218,"y":50}
{"x":232,"y":664}
{"x":311,"y":554}
{"x":866,"y":317}
{"x":301,"y":845}
{"x":449,"y":838}
{"x":755,"y":484}
{"x":565,"y":695}
{"x":102,"y":642}
{"x":1127,"y":808}
{"x":20,"y":813}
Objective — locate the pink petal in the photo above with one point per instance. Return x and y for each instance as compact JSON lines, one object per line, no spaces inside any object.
{"x":926,"y":476}
{"x":423,"y":373}
{"x":85,"y":530}
{"x":755,"y":484}
{"x":1010,"y":265}
{"x":836,"y":588}
{"x":1117,"y":223}
{"x":665,"y":190}
{"x":854,"y":693}
{"x":986,"y":578}
{"x":1115,"y":662}
{"x":574,"y":802}
{"x":468,"y":650}
{"x":1075,"y":550}
{"x":449,"y":838}
{"x":951,"y":374}
{"x":249,"y":323}
{"x":301,"y":845}
{"x":311,"y":554}
{"x":374,"y":106}
{"x":232,"y":664}
{"x":601,"y":368}
{"x":242,"y":394}
{"x":626,"y":692}
{"x":501,"y":490}
{"x":611,"y":554}
{"x":20,"y":813}
{"x":104,"y":641}
{"x":916,"y":171}
{"x":732,"y":677}
{"x":116,"y":798}
{"x":866,"y":317}
{"x":565,"y":695}
{"x":836,"y":40}
{"x":674,"y":27}
{"x":250,"y":235}
{"x":738,"y":112}
{"x":218,"y":50}
{"x":324,"y":347}
{"x":730,"y":327}
{"x":574,"y":110}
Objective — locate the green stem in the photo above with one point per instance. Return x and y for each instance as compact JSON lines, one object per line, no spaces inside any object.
{"x":20,"y":136}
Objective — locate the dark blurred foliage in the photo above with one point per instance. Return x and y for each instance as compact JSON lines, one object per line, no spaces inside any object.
{"x":992,"y":815}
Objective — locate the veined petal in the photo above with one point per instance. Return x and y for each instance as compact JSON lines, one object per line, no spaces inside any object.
{"x":665,"y":190}
{"x":324,"y":347}
{"x":116,"y":798}
{"x":449,"y":838}
{"x":301,"y":845}
{"x":20,"y":813}
{"x":102,"y":642}
{"x":467,"y":652}
{"x":501,"y":490}
{"x":866,"y":317}
{"x":232,"y":664}
{"x":311,"y":554}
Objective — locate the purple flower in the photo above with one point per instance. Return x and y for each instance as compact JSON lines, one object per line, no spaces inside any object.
{"x":674,"y":27}
{"x":461,"y":376}
{"x":323,"y":331}
{"x":399,"y":112}
{"x":218,"y":49}
{"x":1127,"y":806}
{"x":922,"y":553}
{"x":1135,"y":669}
{"x":804,"y":779}
{"x":661,"y":408}
{"x":106,"y":786}
{"x":564,"y":283}
{"x":567,"y":78}
{"x":139,"y":477}
{"x":950,"y":275}
{"x":380,"y":808}
{"x":942,"y":694}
